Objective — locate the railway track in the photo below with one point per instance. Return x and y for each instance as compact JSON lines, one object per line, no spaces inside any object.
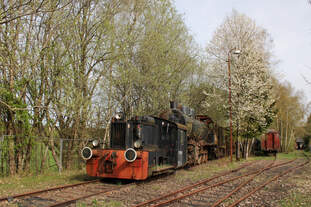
{"x":274,"y":178}
{"x":202,"y":186}
{"x":9,"y":198}
{"x":62,"y":195}
{"x":68,"y":195}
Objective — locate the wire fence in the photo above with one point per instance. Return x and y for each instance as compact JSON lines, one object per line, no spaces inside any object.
{"x":43,"y":154}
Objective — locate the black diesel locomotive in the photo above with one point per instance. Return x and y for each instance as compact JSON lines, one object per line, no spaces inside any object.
{"x":147,"y":145}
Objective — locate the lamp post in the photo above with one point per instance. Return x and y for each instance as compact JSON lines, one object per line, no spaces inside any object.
{"x":235,"y":52}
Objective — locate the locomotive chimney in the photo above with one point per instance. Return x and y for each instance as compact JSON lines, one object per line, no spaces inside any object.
{"x":173,"y":105}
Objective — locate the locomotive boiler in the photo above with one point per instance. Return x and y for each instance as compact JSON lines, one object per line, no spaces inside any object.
{"x":202,"y":139}
{"x":144,"y":146}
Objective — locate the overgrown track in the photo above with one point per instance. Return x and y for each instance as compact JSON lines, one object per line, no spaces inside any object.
{"x":63,"y":195}
{"x":66,"y":195}
{"x":190,"y":187}
{"x":9,"y":198}
{"x":269,"y":181}
{"x":197,"y":187}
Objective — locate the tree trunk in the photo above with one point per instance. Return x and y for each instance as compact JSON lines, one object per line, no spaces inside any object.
{"x":12,"y":165}
{"x":11,"y":144}
{"x":54,"y":154}
{"x":244,"y":143}
{"x":44,"y":156}
{"x":290,"y":138}
{"x":286,"y":132}
{"x":282,"y":137}
{"x":246,"y":150}
{"x":250,"y":147}
{"x":28,"y":156}
{"x":238,"y":148}
{"x":19,"y":160}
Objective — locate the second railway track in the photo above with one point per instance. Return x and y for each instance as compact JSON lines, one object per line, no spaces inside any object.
{"x":182,"y":196}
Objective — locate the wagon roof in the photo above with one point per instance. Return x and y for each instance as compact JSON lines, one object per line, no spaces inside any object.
{"x":299,"y":140}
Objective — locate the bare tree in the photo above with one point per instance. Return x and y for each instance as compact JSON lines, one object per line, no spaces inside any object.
{"x":13,"y":10}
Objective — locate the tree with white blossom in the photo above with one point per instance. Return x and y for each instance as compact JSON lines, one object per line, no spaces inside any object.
{"x":252,"y":99}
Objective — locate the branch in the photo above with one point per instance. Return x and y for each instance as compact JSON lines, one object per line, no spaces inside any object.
{"x":18,"y":109}
{"x":37,"y":10}
{"x":304,"y":77}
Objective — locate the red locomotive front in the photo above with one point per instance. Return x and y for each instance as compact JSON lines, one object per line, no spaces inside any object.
{"x":123,"y":164}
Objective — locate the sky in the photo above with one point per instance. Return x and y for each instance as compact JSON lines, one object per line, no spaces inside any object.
{"x":287,"y":21}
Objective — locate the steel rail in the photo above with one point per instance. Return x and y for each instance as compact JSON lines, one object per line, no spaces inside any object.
{"x":267,"y":182}
{"x":47,"y":190}
{"x":193,"y":185}
{"x":106,"y":191}
{"x":241,"y":186}
{"x":203,"y":189}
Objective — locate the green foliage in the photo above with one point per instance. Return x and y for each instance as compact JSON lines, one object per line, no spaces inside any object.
{"x":16,"y":107}
{"x":290,"y":112}
{"x":307,"y":132}
{"x":291,"y":155}
{"x":158,"y":60}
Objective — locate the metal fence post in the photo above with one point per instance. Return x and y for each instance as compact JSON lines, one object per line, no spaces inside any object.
{"x":61,"y":156}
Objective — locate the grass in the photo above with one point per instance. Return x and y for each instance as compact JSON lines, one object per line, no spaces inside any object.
{"x":156,"y":187}
{"x":296,"y":199}
{"x":301,"y":195}
{"x":18,"y":184}
{"x":211,"y":168}
{"x":206,"y":170}
{"x":290,"y":155}
{"x":96,"y":203}
{"x":293,"y":155}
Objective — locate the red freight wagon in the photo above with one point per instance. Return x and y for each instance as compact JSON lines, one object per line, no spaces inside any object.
{"x":270,"y":142}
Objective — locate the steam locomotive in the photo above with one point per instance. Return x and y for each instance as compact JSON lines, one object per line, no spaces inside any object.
{"x":144,"y":146}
